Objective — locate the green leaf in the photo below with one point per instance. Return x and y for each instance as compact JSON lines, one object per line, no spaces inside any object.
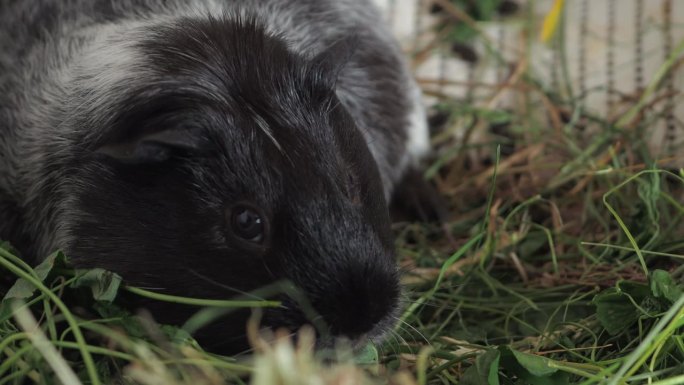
{"x":178,"y":335}
{"x":636,"y":290}
{"x":103,"y":284}
{"x":8,"y":248}
{"x":614,"y":309}
{"x":368,"y":355}
{"x":531,"y":369}
{"x":485,"y":371}
{"x":536,"y":365}
{"x":23,"y":289}
{"x":663,"y":286}
{"x":124,"y":319}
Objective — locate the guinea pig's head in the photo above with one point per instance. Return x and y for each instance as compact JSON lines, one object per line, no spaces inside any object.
{"x":227,"y":164}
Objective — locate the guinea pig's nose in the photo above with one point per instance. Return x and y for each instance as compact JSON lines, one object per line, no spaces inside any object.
{"x":360,"y":304}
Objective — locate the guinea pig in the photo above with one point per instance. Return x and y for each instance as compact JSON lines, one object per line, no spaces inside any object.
{"x":207,"y":148}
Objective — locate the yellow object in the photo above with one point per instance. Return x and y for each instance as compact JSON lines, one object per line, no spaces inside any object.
{"x":551,"y":21}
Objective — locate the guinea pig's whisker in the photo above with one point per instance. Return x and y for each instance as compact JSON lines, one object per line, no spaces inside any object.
{"x":252,"y":349}
{"x":223,"y":286}
{"x":152,"y":288}
{"x":402,"y":341}
{"x":408,"y":301}
{"x":442,"y":306}
{"x":249,"y":350}
{"x":398,"y":339}
{"x":246,"y":351}
{"x":268,"y":270}
{"x":407,"y":332}
{"x":412,"y":328}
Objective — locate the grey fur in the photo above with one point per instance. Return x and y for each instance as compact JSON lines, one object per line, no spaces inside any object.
{"x":61,"y":58}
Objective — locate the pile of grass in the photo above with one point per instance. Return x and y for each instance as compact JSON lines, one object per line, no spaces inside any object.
{"x":561,"y":263}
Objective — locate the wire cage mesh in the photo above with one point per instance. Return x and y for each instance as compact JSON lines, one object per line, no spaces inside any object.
{"x":609,"y":63}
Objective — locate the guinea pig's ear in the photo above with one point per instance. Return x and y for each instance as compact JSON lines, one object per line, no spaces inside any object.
{"x":154,"y":147}
{"x":333,"y":59}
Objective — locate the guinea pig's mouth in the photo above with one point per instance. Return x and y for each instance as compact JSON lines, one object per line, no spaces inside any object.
{"x":228,"y":335}
{"x":355,"y":331}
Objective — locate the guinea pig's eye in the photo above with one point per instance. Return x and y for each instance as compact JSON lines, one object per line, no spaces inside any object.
{"x":247,"y":223}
